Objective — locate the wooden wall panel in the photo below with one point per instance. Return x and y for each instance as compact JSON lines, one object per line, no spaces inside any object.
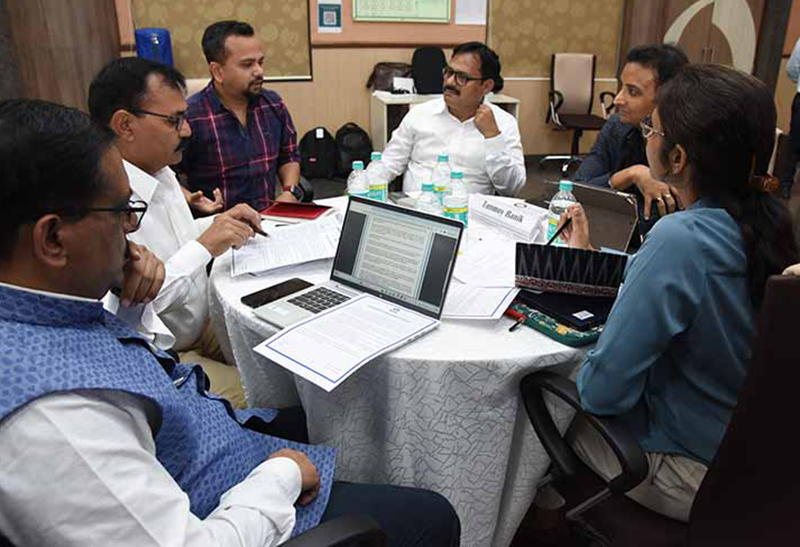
{"x":61,"y":45}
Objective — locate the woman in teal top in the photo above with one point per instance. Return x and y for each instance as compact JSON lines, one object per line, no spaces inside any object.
{"x":677,"y":344}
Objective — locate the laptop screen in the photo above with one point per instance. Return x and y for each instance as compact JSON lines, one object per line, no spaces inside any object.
{"x":398,"y":254}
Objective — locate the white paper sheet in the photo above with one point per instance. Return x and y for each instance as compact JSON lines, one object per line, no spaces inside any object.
{"x":287,"y":245}
{"x":488,"y":263}
{"x":469,"y":302}
{"x":470,"y":12}
{"x":327,"y":348}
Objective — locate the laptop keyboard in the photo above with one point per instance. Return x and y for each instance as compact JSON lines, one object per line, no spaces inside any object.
{"x":319,"y":299}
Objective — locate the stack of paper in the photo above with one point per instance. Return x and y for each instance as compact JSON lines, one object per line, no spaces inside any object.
{"x":518,"y":219}
{"x":288,"y":245}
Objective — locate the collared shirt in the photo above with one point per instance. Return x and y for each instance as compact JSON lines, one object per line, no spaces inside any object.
{"x":170,"y":232}
{"x":243,"y":162}
{"x":80,"y":468}
{"x":428,"y":130}
{"x":618,"y":146}
{"x":677,"y":344}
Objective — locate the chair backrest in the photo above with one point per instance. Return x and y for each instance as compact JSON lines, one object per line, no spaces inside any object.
{"x":750,"y":493}
{"x":572,"y":74}
{"x":426,"y":66}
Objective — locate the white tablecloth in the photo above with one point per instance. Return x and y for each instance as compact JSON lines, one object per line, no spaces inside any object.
{"x":442,"y":413}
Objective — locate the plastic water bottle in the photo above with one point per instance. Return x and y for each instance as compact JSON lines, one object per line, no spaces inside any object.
{"x":378,"y":178}
{"x":427,"y":202}
{"x":357,"y":184}
{"x":456,"y":203}
{"x":560,"y":202}
{"x":441,"y":177}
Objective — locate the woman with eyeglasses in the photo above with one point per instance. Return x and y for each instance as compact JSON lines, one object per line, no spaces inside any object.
{"x":677,"y":344}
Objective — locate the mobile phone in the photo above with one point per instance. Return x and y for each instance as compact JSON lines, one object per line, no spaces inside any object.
{"x":270,"y":294}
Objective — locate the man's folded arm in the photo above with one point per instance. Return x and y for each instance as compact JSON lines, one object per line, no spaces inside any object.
{"x":505,"y":162}
{"x":80,"y":469}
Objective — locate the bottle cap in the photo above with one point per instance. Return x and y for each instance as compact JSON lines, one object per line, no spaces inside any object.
{"x":375,"y":156}
{"x":565,"y":186}
{"x":456,"y":175}
{"x":443,"y":157}
{"x":358,"y":165}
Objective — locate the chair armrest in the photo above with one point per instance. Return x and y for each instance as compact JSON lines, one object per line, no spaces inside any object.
{"x":630,"y":455}
{"x":347,"y":530}
{"x":607,"y":107}
{"x":556,"y":99}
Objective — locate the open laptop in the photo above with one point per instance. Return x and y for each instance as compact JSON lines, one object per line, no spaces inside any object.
{"x":612,"y":215}
{"x":397,"y":254}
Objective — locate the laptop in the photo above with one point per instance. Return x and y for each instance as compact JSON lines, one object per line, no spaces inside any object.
{"x":580,"y":312}
{"x":612,"y":215}
{"x":398,"y":254}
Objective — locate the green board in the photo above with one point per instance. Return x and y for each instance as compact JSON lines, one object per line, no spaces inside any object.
{"x":402,"y":11}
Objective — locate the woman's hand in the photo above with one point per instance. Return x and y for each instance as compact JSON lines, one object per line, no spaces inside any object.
{"x":577,"y":233}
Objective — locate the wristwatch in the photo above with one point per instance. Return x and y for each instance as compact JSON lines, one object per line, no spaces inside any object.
{"x":296,"y":191}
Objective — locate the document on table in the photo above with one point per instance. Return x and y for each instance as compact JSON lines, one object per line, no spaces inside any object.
{"x":327,"y":348}
{"x":288,"y":245}
{"x":469,"y":302}
{"x":487,"y":264}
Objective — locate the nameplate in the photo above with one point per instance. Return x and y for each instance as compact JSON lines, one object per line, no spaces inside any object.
{"x":520,"y":219}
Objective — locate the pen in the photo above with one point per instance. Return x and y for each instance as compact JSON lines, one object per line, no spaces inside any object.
{"x":558,"y":232}
{"x":519,"y":321}
{"x":258,"y":230}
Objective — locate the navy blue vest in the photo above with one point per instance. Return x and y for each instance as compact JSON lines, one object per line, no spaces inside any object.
{"x":50,"y":345}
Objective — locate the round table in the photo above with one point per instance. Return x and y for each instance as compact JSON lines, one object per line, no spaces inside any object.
{"x":441,"y":413}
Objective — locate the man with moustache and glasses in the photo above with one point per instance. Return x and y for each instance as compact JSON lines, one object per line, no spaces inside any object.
{"x":143,"y":103}
{"x":243,"y":147}
{"x":481,"y":139}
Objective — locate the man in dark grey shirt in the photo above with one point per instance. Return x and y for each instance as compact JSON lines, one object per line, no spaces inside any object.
{"x":618,"y":159}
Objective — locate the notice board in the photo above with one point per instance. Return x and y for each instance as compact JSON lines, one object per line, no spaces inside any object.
{"x":402,"y":11}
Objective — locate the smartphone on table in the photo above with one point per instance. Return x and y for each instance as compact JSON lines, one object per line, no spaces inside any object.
{"x":270,"y":294}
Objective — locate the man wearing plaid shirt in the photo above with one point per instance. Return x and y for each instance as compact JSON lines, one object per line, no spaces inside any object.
{"x":243,"y":147}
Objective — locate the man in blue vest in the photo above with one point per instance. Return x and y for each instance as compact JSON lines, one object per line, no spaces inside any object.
{"x":104,"y":439}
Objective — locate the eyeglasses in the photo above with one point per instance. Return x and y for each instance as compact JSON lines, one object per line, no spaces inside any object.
{"x":461,"y":78}
{"x":646,"y":126}
{"x":176,"y":121}
{"x":134,"y":213}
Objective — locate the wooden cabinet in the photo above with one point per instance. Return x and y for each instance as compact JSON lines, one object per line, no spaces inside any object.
{"x":709,"y":31}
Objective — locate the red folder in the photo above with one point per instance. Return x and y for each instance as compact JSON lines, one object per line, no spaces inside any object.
{"x":304,"y":211}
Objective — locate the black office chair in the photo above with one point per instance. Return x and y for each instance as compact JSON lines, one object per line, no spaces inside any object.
{"x":344,"y":531}
{"x":750,"y":492}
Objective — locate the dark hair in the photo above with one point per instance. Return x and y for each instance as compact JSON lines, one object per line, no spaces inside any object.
{"x":725,"y":121}
{"x":490,"y":62}
{"x":50,"y":160}
{"x":122,"y":85}
{"x":663,"y":59}
{"x":215,"y":35}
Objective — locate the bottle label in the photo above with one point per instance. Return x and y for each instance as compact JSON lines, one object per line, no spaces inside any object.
{"x":358,"y":194}
{"x":552,"y":227}
{"x":377,"y":192}
{"x":457,"y":213}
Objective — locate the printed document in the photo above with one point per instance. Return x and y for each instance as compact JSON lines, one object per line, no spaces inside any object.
{"x":487,"y":264}
{"x":327,"y":348}
{"x":468,"y":302}
{"x":288,"y":245}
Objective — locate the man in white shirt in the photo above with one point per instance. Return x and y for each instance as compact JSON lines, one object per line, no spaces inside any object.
{"x":143,"y":103}
{"x":793,"y":72}
{"x":481,"y":139}
{"x":104,"y":439}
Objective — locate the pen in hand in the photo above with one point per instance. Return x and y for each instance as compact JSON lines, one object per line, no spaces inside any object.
{"x":558,"y":232}
{"x":258,"y":230}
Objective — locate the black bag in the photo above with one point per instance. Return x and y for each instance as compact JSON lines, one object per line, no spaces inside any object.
{"x":383,"y":75}
{"x":353,"y":144}
{"x":427,"y":64}
{"x":318,"y":155}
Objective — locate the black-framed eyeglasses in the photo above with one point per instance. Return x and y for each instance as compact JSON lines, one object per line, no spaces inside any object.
{"x":134,"y":213}
{"x":462,"y":78}
{"x":646,"y":126}
{"x":175,"y":121}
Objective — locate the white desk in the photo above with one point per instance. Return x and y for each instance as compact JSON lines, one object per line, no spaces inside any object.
{"x":442,"y":412}
{"x":387,"y":110}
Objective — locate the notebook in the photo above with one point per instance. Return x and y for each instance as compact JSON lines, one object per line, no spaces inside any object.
{"x":294,"y":212}
{"x":398,"y":254}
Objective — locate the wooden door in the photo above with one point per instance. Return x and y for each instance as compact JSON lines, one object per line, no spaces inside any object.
{"x":60,"y":45}
{"x":688,"y":23}
{"x":733,"y":36}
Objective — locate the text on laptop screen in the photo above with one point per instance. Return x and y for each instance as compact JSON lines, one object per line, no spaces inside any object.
{"x":397,"y":253}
